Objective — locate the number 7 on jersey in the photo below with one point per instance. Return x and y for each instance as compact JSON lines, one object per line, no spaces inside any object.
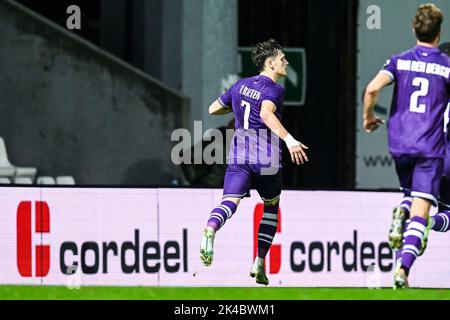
{"x":247,"y":106}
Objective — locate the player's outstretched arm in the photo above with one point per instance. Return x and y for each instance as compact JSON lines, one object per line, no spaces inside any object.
{"x":371,"y":123}
{"x":217,"y":109}
{"x":296,"y":148}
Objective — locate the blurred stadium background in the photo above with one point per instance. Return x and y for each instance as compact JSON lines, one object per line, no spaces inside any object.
{"x":85,"y":151}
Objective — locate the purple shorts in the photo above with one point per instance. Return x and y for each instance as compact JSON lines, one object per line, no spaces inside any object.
{"x":420,"y":176}
{"x":240,"y":178}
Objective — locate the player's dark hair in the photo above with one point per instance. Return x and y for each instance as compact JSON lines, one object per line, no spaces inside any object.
{"x":264,"y":50}
{"x":427,"y":22}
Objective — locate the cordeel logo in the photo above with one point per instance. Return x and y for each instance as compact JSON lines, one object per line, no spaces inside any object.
{"x":275,"y":250}
{"x":25,"y":239}
{"x":323,"y":255}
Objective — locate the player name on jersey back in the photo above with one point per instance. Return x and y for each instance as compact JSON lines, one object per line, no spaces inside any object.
{"x":250,"y":93}
{"x":425,"y":67}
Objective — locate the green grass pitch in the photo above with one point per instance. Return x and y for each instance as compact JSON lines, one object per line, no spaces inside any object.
{"x":219,"y":293}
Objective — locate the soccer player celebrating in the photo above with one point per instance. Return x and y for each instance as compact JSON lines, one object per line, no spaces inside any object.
{"x":440,"y":222}
{"x":416,"y":138}
{"x":255,"y":154}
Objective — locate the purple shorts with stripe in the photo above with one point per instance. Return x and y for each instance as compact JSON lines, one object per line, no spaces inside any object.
{"x":420,"y":176}
{"x":240,"y":178}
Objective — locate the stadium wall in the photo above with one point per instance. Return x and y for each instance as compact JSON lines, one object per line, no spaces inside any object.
{"x":151,"y":237}
{"x":70,"y":108}
{"x":190,"y":45}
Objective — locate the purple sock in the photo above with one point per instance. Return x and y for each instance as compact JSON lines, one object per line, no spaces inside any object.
{"x":220,"y":214}
{"x":412,"y":241}
{"x":406,"y":205}
{"x":398,"y":253}
{"x":441,"y":221}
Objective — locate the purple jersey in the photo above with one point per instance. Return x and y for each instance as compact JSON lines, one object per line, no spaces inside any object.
{"x":253,"y":141}
{"x":421,"y":94}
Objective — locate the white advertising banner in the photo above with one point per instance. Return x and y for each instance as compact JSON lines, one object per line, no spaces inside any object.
{"x":151,"y":237}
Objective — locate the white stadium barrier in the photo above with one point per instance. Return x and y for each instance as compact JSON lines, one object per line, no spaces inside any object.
{"x":151,"y":237}
{"x":65,"y":180}
{"x":7,"y":169}
{"x":5,"y":180}
{"x":23,"y":180}
{"x":45,"y":180}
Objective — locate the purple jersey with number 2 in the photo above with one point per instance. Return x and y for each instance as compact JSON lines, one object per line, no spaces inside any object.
{"x":421,"y":94}
{"x":246,"y":97}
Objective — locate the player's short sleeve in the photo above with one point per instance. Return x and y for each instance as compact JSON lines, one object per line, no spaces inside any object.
{"x":390,"y":68}
{"x":276,"y":95}
{"x":226,"y":99}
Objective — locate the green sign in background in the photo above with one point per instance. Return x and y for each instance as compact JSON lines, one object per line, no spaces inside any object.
{"x":294,"y":83}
